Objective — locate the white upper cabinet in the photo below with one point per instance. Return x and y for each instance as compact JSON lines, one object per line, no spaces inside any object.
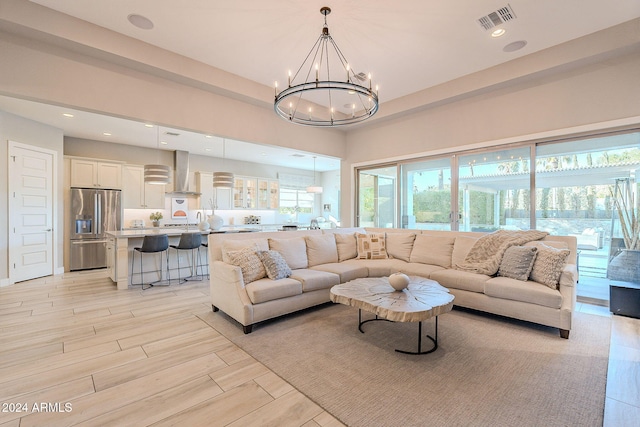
{"x":220,"y":196}
{"x":88,"y":173}
{"x":137,"y":194}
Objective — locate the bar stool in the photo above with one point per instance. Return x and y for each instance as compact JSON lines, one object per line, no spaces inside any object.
{"x":206,"y":245}
{"x":151,"y":244}
{"x":189,"y":242}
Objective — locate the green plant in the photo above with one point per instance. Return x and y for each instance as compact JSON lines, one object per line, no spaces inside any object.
{"x":156,"y":216}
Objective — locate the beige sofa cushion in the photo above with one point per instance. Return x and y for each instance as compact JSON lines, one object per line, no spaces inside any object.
{"x":346,"y":245}
{"x":264,"y":290}
{"x":434,"y":250}
{"x":417,"y":269}
{"x":458,"y":279}
{"x":461,"y":248}
{"x":321,"y":249}
{"x":294,"y":251}
{"x":249,"y":262}
{"x":312,"y":280}
{"x":399,"y":245}
{"x":531,"y":292}
{"x":348,"y":270}
{"x":371,"y":246}
{"x":236,"y":245}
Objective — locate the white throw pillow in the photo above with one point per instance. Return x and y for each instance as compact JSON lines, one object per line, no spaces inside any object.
{"x":461,"y":248}
{"x":294,"y":251}
{"x":346,"y":245}
{"x":236,"y":245}
{"x":248,"y":261}
{"x":321,"y":249}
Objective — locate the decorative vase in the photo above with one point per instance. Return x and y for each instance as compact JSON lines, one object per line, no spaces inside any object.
{"x":625,"y":266}
{"x":203,"y":226}
{"x":156,"y":223}
{"x":215,"y":221}
{"x":398,"y":281}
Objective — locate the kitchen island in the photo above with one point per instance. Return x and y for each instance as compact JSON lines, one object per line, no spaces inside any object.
{"x":120,"y":246}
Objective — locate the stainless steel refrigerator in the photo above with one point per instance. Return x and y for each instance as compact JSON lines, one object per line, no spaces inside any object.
{"x":93,"y":212}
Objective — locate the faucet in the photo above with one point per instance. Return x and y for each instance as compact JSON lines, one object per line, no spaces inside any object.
{"x":199,"y":216}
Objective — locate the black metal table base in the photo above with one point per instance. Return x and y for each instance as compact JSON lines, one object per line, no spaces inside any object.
{"x":433,"y":340}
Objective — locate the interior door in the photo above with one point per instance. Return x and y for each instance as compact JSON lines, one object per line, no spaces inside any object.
{"x":31,"y":212}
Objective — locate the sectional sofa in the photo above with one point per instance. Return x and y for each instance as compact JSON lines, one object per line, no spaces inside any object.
{"x":316,"y":260}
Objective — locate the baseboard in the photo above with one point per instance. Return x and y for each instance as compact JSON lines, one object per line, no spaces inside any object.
{"x":4,"y":282}
{"x":593,"y":301}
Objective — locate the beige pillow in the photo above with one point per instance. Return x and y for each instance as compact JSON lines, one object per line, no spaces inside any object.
{"x":346,"y":245}
{"x":548,"y":265}
{"x":236,"y":245}
{"x":321,"y":249}
{"x":275,"y":266}
{"x":517,"y":262}
{"x":294,"y":251}
{"x":461,"y":248}
{"x":248,"y":261}
{"x":399,"y":245}
{"x":371,"y":246}
{"x":433,"y":250}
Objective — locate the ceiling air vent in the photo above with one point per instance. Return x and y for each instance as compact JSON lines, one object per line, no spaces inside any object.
{"x":496,"y":18}
{"x":171,"y":133}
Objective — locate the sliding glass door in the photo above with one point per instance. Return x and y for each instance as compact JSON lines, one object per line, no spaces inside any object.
{"x":377,"y":197}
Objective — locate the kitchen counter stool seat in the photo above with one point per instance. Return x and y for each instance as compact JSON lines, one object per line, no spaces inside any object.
{"x":151,"y":244}
{"x":190,"y":242}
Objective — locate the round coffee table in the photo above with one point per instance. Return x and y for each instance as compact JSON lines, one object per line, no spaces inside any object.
{"x":421,"y":300}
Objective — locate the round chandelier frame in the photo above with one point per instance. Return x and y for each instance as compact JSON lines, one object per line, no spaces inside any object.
{"x":305,"y":103}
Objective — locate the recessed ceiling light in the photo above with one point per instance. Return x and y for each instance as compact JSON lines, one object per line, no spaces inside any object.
{"x":67,"y":114}
{"x":208,"y":136}
{"x":498,"y":32}
{"x":512,"y":47}
{"x":148,"y":125}
{"x":264,"y":154}
{"x":163,"y":142}
{"x":140,"y":21}
{"x":106,"y":133}
{"x":207,"y":149}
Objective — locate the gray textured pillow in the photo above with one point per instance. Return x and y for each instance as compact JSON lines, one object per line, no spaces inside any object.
{"x":517,"y":262}
{"x":548,"y":265}
{"x":248,"y":261}
{"x":276,"y":267}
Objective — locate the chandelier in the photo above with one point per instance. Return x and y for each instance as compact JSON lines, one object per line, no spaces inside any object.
{"x":319,"y":95}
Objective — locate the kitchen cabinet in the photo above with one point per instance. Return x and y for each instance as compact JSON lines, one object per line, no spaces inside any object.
{"x":137,"y":194}
{"x":87,"y":173}
{"x":204,"y":186}
{"x":268,"y":194}
{"x":245,"y":192}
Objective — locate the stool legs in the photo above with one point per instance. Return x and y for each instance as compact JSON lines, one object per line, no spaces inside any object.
{"x":150,"y":284}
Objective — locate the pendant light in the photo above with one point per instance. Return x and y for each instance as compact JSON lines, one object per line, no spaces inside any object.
{"x":314,"y":188}
{"x":223,"y":179}
{"x":157,"y":174}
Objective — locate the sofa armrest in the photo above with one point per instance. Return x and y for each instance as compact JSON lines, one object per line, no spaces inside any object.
{"x":569,"y":276}
{"x":228,"y":292}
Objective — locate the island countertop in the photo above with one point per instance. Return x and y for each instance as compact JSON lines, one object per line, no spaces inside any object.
{"x":173,"y":231}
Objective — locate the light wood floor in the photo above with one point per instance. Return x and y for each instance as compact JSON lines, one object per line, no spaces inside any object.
{"x":156,"y":358}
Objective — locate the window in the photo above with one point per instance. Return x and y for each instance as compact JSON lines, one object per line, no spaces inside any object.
{"x":294,"y":201}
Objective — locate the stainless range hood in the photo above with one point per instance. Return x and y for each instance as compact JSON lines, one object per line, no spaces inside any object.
{"x":181,"y":175}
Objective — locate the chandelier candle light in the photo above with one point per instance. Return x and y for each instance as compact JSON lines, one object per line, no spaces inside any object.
{"x":321,"y":97}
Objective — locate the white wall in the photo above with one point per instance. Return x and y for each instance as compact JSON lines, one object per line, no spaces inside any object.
{"x":18,"y":129}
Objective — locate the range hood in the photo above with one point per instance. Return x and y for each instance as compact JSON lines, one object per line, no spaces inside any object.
{"x":181,"y":175}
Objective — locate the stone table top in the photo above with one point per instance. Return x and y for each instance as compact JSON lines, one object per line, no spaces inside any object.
{"x":421,"y":300}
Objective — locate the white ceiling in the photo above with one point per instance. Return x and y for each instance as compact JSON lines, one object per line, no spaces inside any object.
{"x":408,"y":46}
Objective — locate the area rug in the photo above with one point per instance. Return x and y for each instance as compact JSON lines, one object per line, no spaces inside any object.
{"x":487,"y":371}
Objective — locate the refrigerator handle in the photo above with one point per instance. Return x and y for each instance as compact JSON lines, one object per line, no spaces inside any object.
{"x":98,"y":211}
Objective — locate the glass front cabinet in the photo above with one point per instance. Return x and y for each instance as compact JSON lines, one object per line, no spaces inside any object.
{"x":255,"y":193}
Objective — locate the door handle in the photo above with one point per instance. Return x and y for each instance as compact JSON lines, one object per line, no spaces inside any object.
{"x":49,"y":229}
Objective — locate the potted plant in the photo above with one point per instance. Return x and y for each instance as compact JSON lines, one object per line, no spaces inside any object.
{"x":624,"y":264}
{"x":155,"y":218}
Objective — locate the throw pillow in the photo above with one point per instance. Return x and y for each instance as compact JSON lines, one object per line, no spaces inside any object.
{"x":434,"y":250}
{"x":274,"y":264}
{"x":461,"y":248}
{"x":371,"y":246}
{"x":548,"y":265}
{"x":517,"y":262}
{"x":248,"y":261}
{"x":399,"y":245}
{"x":321,"y":249}
{"x":346,"y":245}
{"x":236,"y":245}
{"x":294,"y":251}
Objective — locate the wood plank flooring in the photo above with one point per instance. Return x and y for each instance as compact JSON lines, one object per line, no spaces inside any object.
{"x":157,"y":358}
{"x":133,"y":357}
